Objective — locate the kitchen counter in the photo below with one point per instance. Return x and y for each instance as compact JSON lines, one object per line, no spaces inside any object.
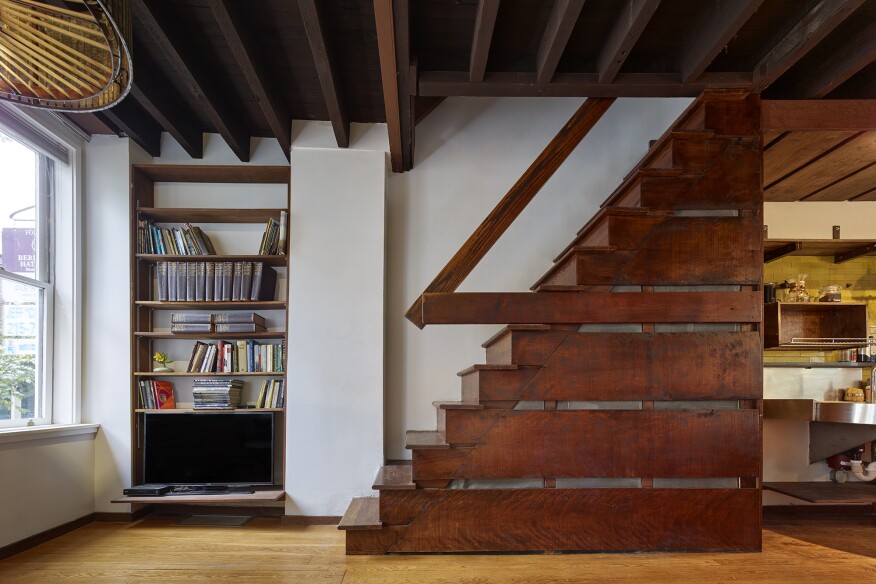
{"x":811,"y":410}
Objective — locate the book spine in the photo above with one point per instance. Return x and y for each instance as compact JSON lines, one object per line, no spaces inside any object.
{"x":237,"y":274}
{"x":246,"y":280}
{"x":161,"y":271}
{"x":200,"y":275}
{"x":281,"y":238}
{"x":191,"y":282}
{"x":189,"y":327}
{"x":257,"y":268}
{"x":250,"y":355}
{"x":227,"y":280}
{"x":241,"y":357}
{"x":209,"y":280}
{"x":191,"y":317}
{"x":248,"y":317}
{"x":238,"y":327}
{"x":181,"y":274}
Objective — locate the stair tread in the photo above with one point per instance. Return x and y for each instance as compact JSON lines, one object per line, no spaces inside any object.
{"x":487,"y":367}
{"x":457,"y":405}
{"x":515,"y":327}
{"x":560,"y":288}
{"x":425,"y":439}
{"x":396,"y":477}
{"x":363,"y":513}
{"x":572,"y":250}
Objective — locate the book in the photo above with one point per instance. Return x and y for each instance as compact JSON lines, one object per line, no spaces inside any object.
{"x":191,"y":317}
{"x":171,"y":281}
{"x":193,"y":360}
{"x":264,"y":282}
{"x":209,"y":280}
{"x":164,"y":395}
{"x":191,"y":327}
{"x":227,"y":279}
{"x":245,"y":280}
{"x":239,"y":317}
{"x":205,"y":240}
{"x":200,"y":283}
{"x":181,"y":274}
{"x":281,"y":238}
{"x":161,"y":272}
{"x":191,"y":281}
{"x":237,"y":278}
{"x":241,"y":357}
{"x":260,"y":402}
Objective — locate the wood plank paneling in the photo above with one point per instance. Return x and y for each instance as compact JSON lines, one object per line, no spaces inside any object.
{"x":858,"y":183}
{"x":848,"y":158}
{"x":640,"y":366}
{"x":851,"y":115}
{"x":576,"y":519}
{"x":581,"y":307}
{"x":595,"y":443}
{"x":796,"y":150}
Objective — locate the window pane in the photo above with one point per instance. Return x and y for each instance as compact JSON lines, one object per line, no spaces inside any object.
{"x":21,"y":326}
{"x":18,"y":208}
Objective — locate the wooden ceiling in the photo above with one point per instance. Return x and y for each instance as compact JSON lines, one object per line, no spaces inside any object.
{"x":246,"y":70}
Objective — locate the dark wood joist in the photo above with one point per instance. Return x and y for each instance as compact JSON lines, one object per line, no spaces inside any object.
{"x":485,"y":21}
{"x":812,"y":28}
{"x":326,"y":70}
{"x":454,"y":83}
{"x":559,"y":28}
{"x":156,"y":95}
{"x":780,"y":252}
{"x":401,"y":35}
{"x":164,"y":29}
{"x":854,"y":253}
{"x":721,"y":24}
{"x":135,"y":123}
{"x":383,"y":16}
{"x":588,"y":307}
{"x":818,"y":115}
{"x":239,"y":37}
{"x":855,"y":53}
{"x":626,"y":31}
{"x":514,"y":201}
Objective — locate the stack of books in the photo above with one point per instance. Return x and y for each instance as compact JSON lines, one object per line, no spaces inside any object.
{"x":215,"y":281}
{"x":274,"y":239}
{"x":226,"y":322}
{"x":187,"y":240}
{"x":272,"y":394}
{"x":156,"y":395}
{"x":216,"y":394}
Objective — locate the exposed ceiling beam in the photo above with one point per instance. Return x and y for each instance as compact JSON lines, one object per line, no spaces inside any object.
{"x":559,"y":28}
{"x":818,"y":115}
{"x":383,"y":16}
{"x":401,"y":36}
{"x":483,"y":36}
{"x":807,"y":33}
{"x":239,"y":37}
{"x":134,"y":123}
{"x":626,"y":31}
{"x":163,"y":30}
{"x":453,"y":83}
{"x":721,"y":24}
{"x":334,"y":103}
{"x":855,"y":53}
{"x":159,"y":99}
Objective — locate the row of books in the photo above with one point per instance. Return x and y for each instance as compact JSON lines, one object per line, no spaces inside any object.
{"x":271,"y":394}
{"x":237,"y":357}
{"x":156,"y":395}
{"x":216,"y":394}
{"x":274,"y":238}
{"x":227,"y":322}
{"x":215,"y":281}
{"x":185,"y":240}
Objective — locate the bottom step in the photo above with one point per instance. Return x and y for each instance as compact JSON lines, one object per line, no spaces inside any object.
{"x":363,"y":513}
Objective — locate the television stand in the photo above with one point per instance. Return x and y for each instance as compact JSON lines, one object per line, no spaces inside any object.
{"x":210,"y":490}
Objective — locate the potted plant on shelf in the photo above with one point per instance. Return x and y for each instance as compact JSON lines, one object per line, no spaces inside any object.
{"x":163,"y":360}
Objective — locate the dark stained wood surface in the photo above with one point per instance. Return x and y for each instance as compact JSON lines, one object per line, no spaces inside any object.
{"x":363,"y":513}
{"x":514,"y":201}
{"x":849,"y":115}
{"x":826,"y":492}
{"x":637,"y":366}
{"x":425,"y":440}
{"x":485,"y":21}
{"x":575,"y":519}
{"x":575,"y":307}
{"x":858,"y":185}
{"x":595,"y":443}
{"x":393,"y":476}
{"x":524,"y":347}
{"x":202,"y":215}
{"x":783,"y":322}
{"x":209,"y":174}
{"x":626,"y":31}
{"x":564,"y":15}
{"x":797,"y":149}
{"x":383,"y":16}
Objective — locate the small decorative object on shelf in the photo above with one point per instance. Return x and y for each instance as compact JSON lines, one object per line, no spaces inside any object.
{"x":163,"y":360}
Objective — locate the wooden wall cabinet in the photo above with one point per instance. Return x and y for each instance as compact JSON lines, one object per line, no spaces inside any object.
{"x":815,"y":325}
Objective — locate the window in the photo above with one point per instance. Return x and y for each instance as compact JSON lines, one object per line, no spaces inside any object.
{"x":26,"y":291}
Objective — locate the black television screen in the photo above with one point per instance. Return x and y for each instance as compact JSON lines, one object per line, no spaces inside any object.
{"x":209,"y":448}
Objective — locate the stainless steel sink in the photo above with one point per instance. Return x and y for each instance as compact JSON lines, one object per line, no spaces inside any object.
{"x":819,"y":411}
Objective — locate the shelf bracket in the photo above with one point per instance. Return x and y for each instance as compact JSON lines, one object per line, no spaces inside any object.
{"x":772,"y":255}
{"x":854,"y":253}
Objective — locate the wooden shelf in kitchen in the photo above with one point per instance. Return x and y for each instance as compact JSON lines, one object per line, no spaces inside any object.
{"x":820,"y":326}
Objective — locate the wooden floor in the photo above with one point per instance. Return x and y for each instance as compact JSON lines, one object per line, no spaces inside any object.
{"x":156,"y":549}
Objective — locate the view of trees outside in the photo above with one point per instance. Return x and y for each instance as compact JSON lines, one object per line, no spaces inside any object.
{"x":19,"y":303}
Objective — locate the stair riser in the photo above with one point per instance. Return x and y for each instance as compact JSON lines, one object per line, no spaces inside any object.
{"x":525,"y":347}
{"x":598,"y":443}
{"x":568,"y":519}
{"x":732,"y":182}
{"x":643,"y":366}
{"x":694,"y":155}
{"x":493,"y":381}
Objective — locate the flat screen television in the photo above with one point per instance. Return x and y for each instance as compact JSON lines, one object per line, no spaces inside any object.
{"x":209,"y":448}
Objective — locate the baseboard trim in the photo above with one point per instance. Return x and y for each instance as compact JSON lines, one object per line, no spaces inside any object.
{"x":44,"y":536}
{"x":854,"y":509}
{"x":305,"y":520}
{"x":123,"y":517}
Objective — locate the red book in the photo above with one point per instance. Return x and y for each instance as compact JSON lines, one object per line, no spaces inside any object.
{"x":163,"y":395}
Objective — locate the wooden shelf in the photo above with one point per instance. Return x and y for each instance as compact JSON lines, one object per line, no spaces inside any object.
{"x":268,"y":496}
{"x":218,"y":305}
{"x":819,"y":326}
{"x":216,"y":411}
{"x":212,"y":174}
{"x":211,"y":374}
{"x":842,"y":250}
{"x":268,"y":260}
{"x":200,"y":215}
{"x":218,"y":336}
{"x":826,"y":492}
{"x":841,"y":365}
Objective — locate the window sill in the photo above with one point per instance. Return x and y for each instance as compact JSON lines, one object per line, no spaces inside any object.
{"x":10,"y":435}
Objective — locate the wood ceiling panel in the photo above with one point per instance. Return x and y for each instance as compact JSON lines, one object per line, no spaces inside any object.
{"x":859,"y":183}
{"x":795,"y":150}
{"x":770,"y":137}
{"x":842,"y":161}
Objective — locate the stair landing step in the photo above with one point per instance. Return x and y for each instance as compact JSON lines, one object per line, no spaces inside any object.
{"x":559,"y":262}
{"x":394,"y":477}
{"x":425,"y":440}
{"x":515,"y":327}
{"x":487,"y":367}
{"x":363,"y":513}
{"x":457,"y":405}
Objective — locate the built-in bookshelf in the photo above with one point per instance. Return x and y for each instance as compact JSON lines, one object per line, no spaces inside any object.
{"x":181,"y":197}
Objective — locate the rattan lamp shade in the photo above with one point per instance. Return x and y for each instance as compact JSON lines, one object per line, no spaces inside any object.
{"x":73,"y":58}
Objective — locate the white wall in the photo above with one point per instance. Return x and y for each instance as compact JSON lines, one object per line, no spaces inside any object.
{"x":469,"y":152}
{"x":815,"y":219}
{"x":334,"y":438}
{"x":44,"y":484}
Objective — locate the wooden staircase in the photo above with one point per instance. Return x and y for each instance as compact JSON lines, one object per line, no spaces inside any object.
{"x":620,"y":410}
